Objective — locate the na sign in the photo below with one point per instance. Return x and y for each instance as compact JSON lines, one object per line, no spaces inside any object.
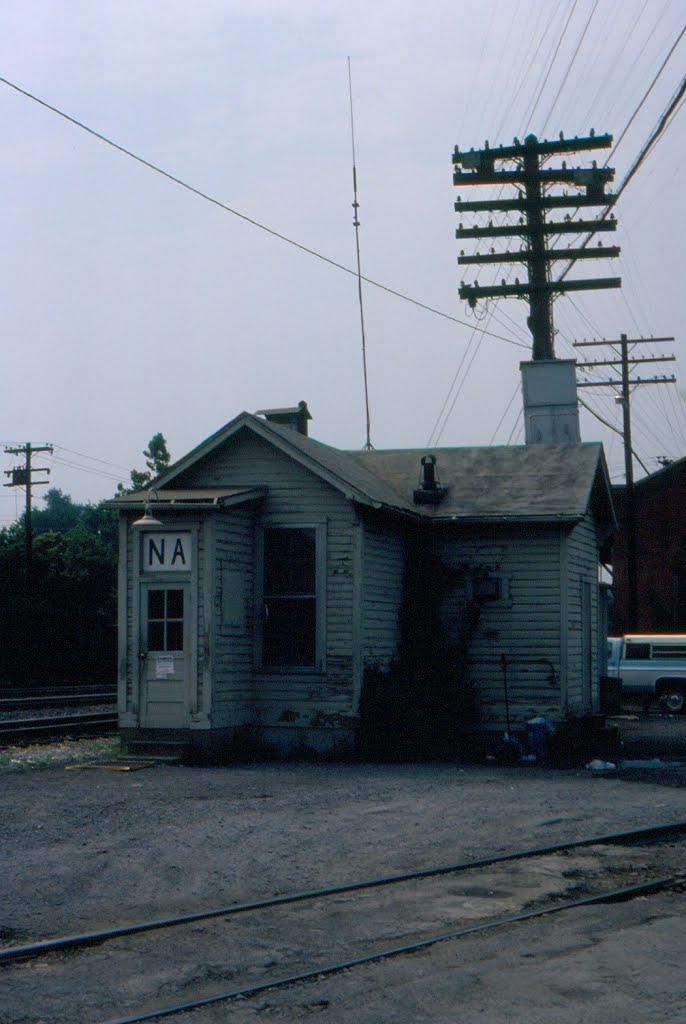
{"x":166,"y":552}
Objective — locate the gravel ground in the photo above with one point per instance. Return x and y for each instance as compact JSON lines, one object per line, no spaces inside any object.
{"x":88,"y":848}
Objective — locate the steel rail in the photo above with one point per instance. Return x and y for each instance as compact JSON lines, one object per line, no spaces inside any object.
{"x":39,"y":728}
{"x":11,"y":692}
{"x":612,"y":896}
{"x":45,"y":946}
{"x":76,"y":699}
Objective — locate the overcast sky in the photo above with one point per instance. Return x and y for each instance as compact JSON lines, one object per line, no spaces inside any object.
{"x":131,"y":305}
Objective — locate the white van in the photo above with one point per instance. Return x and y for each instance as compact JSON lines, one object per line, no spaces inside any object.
{"x":650,"y":665}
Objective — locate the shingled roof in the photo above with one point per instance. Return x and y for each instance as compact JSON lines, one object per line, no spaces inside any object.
{"x":508,"y":483}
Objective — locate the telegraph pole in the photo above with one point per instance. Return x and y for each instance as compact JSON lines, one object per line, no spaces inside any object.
{"x":22,"y":476}
{"x":622,"y":385}
{"x":521,"y":165}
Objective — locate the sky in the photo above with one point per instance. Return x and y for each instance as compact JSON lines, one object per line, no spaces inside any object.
{"x":133,"y":305}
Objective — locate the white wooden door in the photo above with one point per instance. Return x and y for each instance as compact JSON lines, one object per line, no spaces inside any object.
{"x":165,"y":655}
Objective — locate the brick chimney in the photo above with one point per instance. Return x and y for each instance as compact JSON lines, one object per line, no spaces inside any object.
{"x":295,"y":418}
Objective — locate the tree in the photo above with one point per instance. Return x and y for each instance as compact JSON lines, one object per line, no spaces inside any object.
{"x":59,"y":515}
{"x":68,"y":631}
{"x":157,"y":459}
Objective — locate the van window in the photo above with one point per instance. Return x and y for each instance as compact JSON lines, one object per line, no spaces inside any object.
{"x":670,"y":651}
{"x":636,"y":652}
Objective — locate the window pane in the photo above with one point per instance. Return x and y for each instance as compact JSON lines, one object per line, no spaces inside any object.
{"x":289,"y":561}
{"x":155,"y":604}
{"x":637,"y":652}
{"x":155,"y":636}
{"x":175,"y":604}
{"x":175,"y":636}
{"x":289,"y":632}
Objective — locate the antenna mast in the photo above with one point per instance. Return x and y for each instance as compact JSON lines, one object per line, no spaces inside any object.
{"x":368,"y":443}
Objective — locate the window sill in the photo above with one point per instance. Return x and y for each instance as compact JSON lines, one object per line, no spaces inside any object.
{"x":286,"y":670}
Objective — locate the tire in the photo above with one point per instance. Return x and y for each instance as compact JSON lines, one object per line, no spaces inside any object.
{"x":673,"y":698}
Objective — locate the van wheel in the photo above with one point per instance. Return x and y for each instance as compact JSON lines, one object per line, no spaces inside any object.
{"x":673,"y":699}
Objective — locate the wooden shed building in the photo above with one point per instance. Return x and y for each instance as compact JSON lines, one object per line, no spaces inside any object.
{"x":266,"y":576}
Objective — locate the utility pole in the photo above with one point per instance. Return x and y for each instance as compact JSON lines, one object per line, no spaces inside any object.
{"x":521,"y":165}
{"x":623,"y":385}
{"x":22,"y":476}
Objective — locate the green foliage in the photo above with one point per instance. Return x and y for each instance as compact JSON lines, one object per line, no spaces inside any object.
{"x":63,"y":628}
{"x":157,"y":459}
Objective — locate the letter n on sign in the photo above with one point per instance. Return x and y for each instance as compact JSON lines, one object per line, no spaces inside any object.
{"x":166,"y":552}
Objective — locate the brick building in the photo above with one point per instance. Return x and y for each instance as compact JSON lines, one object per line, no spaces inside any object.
{"x":660,"y":501}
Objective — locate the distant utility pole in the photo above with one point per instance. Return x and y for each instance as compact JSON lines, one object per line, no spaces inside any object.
{"x":533,"y":182}
{"x":22,"y":476}
{"x":623,"y":384}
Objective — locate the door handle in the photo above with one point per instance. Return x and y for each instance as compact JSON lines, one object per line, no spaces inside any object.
{"x":143,"y":655}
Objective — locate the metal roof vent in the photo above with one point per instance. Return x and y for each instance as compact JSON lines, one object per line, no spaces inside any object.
{"x":296,"y":418}
{"x":429,"y":491}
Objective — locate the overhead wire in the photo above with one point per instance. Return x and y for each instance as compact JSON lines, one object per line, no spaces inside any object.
{"x":569,"y":66}
{"x":455,"y":388}
{"x":236,"y":213}
{"x":645,"y":96}
{"x":534,"y":45}
{"x":551,"y":63}
{"x":654,"y":137}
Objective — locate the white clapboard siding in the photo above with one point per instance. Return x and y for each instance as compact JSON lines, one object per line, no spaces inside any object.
{"x":294,"y":495}
{"x":233,"y":612}
{"x":524,"y":625}
{"x":383,"y":568}
{"x":582,"y":567}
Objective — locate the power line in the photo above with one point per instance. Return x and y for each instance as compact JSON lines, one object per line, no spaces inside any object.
{"x":552,"y":62}
{"x":569,"y":66}
{"x":646,"y":94}
{"x":236,"y":213}
{"x":673,"y":107}
{"x":91,"y":458}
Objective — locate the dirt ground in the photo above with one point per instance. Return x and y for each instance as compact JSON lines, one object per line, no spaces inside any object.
{"x":87,"y":849}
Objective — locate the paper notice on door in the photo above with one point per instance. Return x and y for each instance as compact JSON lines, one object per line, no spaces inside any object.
{"x":164,"y":666}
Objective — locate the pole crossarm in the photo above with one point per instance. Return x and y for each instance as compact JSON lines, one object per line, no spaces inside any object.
{"x":634,"y":362}
{"x":620,"y":341}
{"x":559,"y":227}
{"x":545,"y":148}
{"x":521,"y":165}
{"x":593,"y":179}
{"x":522,"y":256}
{"x":617,"y":382}
{"x":472,"y":292}
{"x":548,"y":202}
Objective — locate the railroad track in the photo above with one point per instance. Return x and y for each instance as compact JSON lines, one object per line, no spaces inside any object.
{"x":31,"y":699}
{"x":338,"y":919}
{"x":47,"y":729}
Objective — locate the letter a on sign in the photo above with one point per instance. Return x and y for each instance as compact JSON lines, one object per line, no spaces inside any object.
{"x":178,"y":555}
{"x":166,"y":552}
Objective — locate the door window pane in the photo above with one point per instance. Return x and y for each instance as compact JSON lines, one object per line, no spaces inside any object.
{"x":155,"y":636}
{"x":155,"y":604}
{"x":175,"y":604}
{"x":174,"y":636}
{"x":165,"y":620}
